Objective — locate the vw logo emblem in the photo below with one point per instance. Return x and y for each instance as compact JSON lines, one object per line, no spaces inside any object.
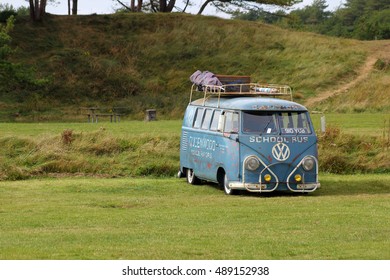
{"x":280,"y":151}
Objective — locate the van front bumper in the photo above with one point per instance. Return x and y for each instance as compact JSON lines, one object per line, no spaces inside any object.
{"x":253,"y":187}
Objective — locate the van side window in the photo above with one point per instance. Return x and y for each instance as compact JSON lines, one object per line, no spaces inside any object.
{"x":214,"y":121}
{"x":207,"y":118}
{"x":198,"y":117}
{"x":231,"y":125}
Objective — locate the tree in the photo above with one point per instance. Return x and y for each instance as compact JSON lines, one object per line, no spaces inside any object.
{"x":318,"y":12}
{"x":133,"y":7}
{"x":162,"y":6}
{"x":260,"y":15}
{"x":138,"y":7}
{"x":375,"y":25}
{"x":37,"y":9}
{"x":5,"y":39}
{"x":74,"y":7}
{"x":362,"y":19}
{"x":313,"y":16}
{"x":167,"y":6}
{"x":224,"y":5}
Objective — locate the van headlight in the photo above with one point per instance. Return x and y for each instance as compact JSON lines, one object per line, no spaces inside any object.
{"x":308,"y":163}
{"x":252,"y":163}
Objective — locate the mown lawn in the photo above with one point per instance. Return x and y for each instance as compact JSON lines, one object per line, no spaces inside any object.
{"x":362,"y":124}
{"x":146,"y":218}
{"x":372,"y":124}
{"x":124,"y":128}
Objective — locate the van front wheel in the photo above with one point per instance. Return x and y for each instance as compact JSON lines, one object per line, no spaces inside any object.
{"x":191,"y":178}
{"x":228,"y":190}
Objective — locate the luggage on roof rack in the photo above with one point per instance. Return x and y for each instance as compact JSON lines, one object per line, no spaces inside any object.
{"x":233,"y":86}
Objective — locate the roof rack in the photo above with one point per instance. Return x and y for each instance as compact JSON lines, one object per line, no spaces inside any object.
{"x":245,"y":89}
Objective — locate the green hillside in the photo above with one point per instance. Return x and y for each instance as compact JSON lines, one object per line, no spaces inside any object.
{"x":141,"y":61}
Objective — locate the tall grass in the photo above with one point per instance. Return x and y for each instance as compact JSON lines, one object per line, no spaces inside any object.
{"x":138,"y":149}
{"x":342,"y":153}
{"x":152,"y":149}
{"x":370,"y":95}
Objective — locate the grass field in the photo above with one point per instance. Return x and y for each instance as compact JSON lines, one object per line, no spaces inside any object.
{"x":146,"y":218}
{"x":124,"y":128}
{"x":142,"y":217}
{"x":370,"y":123}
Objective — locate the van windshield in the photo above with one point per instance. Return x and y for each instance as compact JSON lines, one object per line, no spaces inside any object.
{"x":260,"y":122}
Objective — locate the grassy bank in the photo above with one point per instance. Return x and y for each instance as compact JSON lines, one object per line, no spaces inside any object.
{"x":141,"y":61}
{"x":108,"y":150}
{"x":169,"y":219}
{"x":152,"y":148}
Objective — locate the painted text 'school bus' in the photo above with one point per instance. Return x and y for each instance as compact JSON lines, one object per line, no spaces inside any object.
{"x":243,"y":137}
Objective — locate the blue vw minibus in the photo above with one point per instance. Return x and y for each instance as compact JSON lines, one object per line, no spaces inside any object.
{"x":247,"y":136}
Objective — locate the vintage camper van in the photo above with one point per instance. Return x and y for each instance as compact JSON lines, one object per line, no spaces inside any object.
{"x":248,"y":136}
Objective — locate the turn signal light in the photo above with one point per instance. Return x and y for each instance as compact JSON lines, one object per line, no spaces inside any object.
{"x":267,"y":178}
{"x":298,"y":178}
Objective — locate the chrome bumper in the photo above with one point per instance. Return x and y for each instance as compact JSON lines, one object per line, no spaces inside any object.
{"x":261,"y":187}
{"x":251,"y":187}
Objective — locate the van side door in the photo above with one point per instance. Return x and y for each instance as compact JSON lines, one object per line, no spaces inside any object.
{"x":229,"y":156}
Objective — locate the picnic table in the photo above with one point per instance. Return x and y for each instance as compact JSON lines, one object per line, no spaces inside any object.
{"x":93,"y":114}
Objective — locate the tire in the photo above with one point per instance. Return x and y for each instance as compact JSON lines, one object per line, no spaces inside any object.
{"x":226,"y":188}
{"x":191,"y":178}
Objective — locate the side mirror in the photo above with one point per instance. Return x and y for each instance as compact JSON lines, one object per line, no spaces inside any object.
{"x":221,"y":123}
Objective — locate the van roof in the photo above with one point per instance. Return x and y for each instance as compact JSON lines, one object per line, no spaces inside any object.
{"x":250,"y":103}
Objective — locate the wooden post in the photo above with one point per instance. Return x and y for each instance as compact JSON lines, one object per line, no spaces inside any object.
{"x":323,"y":124}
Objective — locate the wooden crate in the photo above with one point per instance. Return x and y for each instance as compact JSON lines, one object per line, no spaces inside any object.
{"x":235,"y":80}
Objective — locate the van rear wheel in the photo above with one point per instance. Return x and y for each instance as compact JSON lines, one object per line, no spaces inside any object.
{"x":191,"y":178}
{"x":228,"y":190}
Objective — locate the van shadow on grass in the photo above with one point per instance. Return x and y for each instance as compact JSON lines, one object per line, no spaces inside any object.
{"x":244,"y":193}
{"x":332,"y":185}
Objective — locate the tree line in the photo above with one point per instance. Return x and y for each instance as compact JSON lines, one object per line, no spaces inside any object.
{"x":359,"y":19}
{"x":37,"y":8}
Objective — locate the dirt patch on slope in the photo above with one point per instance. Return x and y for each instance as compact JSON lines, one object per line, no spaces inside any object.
{"x":378,"y":50}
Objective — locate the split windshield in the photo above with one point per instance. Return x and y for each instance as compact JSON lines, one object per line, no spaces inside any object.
{"x":260,"y":122}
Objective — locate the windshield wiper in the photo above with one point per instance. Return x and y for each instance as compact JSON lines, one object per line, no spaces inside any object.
{"x":265,"y":128}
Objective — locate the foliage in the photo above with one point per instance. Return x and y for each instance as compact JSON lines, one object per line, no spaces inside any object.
{"x":228,"y":6}
{"x":374,"y":26}
{"x":6,"y":11}
{"x":360,"y":19}
{"x":5,"y":38}
{"x":259,"y":15}
{"x":15,"y":75}
{"x":167,"y":6}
